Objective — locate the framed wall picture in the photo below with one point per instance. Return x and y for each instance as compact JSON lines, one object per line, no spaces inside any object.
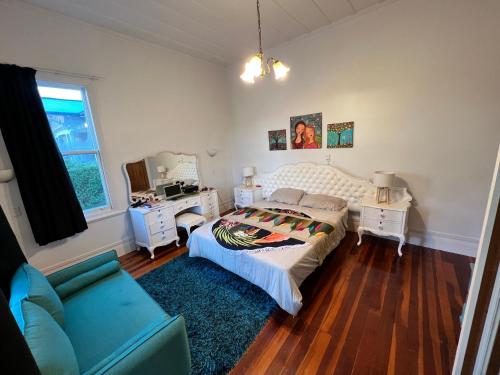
{"x":277,"y":139}
{"x":340,"y":135}
{"x":306,"y":131}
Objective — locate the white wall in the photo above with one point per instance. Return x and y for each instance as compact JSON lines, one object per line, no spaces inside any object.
{"x":150,"y":99}
{"x":421,"y":80}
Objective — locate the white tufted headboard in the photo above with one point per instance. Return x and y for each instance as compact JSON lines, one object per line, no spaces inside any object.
{"x":317,"y":179}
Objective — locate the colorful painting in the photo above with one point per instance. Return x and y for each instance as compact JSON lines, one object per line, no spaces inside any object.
{"x":306,"y":131}
{"x":340,"y":135}
{"x":277,"y":140}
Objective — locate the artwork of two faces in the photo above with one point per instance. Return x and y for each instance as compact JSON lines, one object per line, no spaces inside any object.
{"x":306,"y":133}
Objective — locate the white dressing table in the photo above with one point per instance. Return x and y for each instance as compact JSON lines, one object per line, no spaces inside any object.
{"x":154,"y":227}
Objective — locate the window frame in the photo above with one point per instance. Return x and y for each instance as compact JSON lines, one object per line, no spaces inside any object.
{"x":85,"y":86}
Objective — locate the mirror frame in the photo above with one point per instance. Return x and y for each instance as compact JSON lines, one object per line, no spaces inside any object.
{"x":127,"y":178}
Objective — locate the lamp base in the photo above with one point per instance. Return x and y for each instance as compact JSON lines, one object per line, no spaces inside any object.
{"x":383,"y":195}
{"x":248,"y":182}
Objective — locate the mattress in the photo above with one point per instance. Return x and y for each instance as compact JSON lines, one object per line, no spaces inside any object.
{"x":279,"y":272}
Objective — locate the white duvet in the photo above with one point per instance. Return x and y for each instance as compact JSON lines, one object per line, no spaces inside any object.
{"x":279,"y":272}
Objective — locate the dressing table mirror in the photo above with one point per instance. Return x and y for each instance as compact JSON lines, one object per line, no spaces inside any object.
{"x":154,"y":215}
{"x":146,"y":177}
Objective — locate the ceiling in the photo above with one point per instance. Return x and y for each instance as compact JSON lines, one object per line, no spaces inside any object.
{"x":221,"y":31}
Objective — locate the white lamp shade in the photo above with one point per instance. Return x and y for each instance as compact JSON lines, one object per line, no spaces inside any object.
{"x":383,"y":179}
{"x":248,"y":171}
{"x":161,"y":169}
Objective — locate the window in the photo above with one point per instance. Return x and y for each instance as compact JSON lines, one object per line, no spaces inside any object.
{"x":68,"y":111}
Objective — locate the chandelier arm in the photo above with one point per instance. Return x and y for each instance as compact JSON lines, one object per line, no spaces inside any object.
{"x":259,"y":28}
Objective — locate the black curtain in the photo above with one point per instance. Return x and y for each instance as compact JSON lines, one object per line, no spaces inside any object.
{"x":14,"y":351}
{"x":50,"y":201}
{"x":11,"y":256}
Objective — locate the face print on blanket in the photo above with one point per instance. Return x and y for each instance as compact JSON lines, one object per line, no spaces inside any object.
{"x":238,"y":236}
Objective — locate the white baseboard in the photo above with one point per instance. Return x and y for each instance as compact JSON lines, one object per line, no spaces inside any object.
{"x":121,"y":247}
{"x":451,"y":243}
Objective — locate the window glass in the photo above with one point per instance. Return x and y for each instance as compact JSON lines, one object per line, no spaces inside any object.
{"x":70,"y":119}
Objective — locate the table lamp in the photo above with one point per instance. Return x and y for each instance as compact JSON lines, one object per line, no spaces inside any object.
{"x":161,"y":170}
{"x":248,"y":173}
{"x":383,"y":181}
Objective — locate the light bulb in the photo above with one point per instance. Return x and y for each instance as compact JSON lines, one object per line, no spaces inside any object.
{"x":280,"y":69}
{"x":255,"y":65}
{"x":247,"y":75}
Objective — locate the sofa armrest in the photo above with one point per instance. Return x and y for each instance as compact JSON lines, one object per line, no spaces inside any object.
{"x":68,"y":273}
{"x":162,"y":348}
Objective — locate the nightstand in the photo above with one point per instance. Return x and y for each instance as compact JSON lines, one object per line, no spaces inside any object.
{"x":245,"y":196}
{"x":382,"y":219}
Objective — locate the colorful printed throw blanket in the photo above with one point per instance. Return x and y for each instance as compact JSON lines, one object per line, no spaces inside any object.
{"x":253,"y":230}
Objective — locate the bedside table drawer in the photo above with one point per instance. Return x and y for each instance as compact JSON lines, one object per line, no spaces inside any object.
{"x":383,"y":225}
{"x":383,"y":214}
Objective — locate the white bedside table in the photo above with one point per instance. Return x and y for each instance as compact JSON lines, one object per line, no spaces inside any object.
{"x":245,"y":196}
{"x":382,"y":219}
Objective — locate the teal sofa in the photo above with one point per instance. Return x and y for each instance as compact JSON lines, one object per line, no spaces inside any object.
{"x":93,"y":318}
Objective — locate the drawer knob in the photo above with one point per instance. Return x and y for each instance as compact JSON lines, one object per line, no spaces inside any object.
{"x":380,"y":227}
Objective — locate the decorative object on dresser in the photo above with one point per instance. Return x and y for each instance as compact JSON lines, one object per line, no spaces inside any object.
{"x":248,"y":173}
{"x":245,"y":196}
{"x":162,"y":171}
{"x":384,"y":219}
{"x":383,"y":181}
{"x":152,"y":213}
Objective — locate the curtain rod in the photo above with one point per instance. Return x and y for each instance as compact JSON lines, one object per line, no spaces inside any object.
{"x":62,"y":72}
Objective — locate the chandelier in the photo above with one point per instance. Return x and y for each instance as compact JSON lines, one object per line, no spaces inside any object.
{"x":258,"y":66}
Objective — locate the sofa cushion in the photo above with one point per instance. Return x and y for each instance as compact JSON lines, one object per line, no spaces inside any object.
{"x":30,"y":284}
{"x":51,"y":348}
{"x":106,"y":314}
{"x":86,"y":278}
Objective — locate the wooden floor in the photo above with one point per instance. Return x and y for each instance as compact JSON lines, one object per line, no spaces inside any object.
{"x":366,"y":311}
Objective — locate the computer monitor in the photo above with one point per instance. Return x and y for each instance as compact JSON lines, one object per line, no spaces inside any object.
{"x":173,"y":191}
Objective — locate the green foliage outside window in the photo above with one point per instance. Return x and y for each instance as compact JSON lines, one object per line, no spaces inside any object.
{"x":86,"y":179}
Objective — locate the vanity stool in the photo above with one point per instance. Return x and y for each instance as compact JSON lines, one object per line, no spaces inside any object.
{"x":189,"y":220}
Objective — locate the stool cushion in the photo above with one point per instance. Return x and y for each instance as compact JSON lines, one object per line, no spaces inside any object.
{"x":189,"y":220}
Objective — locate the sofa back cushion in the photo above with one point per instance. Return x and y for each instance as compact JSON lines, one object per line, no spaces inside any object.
{"x":30,"y":284}
{"x":49,"y":344}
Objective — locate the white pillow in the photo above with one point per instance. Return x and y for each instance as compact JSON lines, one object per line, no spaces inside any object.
{"x":322,"y":201}
{"x":287,"y":195}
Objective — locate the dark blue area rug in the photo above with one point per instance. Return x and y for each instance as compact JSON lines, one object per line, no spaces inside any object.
{"x":223,"y":312}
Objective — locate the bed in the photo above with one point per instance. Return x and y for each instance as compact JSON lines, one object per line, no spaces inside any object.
{"x":280,"y":270}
